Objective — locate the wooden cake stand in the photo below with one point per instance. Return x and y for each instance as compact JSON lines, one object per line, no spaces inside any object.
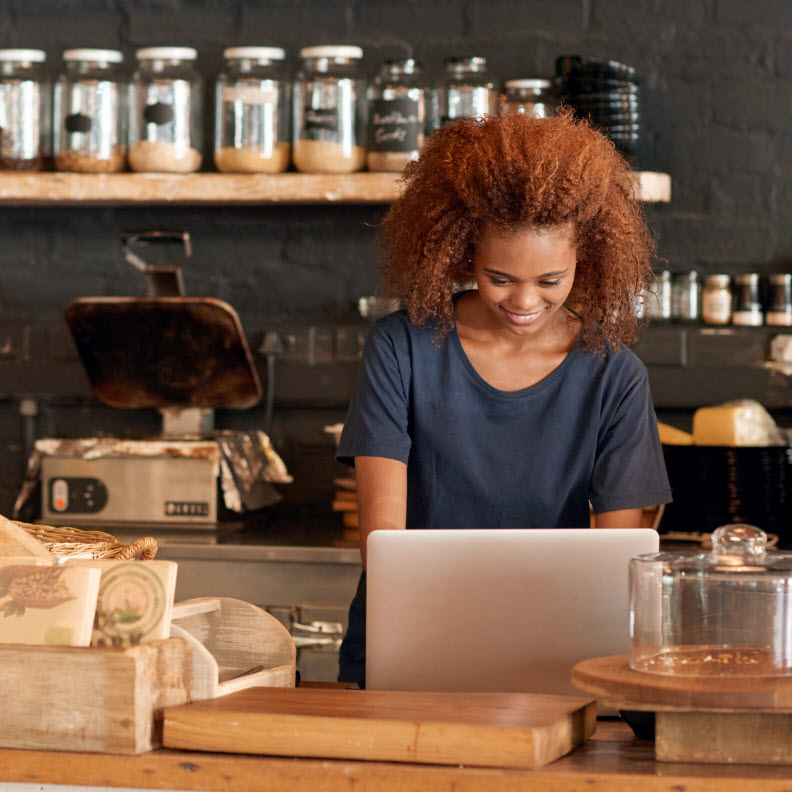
{"x":727,"y":719}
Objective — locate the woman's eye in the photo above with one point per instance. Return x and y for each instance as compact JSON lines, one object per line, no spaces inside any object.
{"x":549,"y":283}
{"x":497,"y":282}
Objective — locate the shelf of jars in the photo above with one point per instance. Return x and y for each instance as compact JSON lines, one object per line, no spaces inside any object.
{"x":90,"y":189}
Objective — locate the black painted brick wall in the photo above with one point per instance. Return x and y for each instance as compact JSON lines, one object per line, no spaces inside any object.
{"x":717,"y":77}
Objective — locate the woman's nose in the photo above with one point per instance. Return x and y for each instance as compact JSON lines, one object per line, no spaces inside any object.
{"x":524,"y":296}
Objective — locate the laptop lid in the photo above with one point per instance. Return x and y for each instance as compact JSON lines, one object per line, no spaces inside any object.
{"x":504,"y":610}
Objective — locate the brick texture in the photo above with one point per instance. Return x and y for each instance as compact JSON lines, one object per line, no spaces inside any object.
{"x":717,"y":110}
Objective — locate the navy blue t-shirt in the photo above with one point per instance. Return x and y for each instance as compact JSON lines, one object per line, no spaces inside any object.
{"x":479,"y":457}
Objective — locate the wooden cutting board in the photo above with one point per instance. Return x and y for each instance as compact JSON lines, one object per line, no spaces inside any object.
{"x":480,"y":729}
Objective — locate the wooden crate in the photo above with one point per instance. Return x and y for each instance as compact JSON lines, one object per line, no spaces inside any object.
{"x":76,"y":699}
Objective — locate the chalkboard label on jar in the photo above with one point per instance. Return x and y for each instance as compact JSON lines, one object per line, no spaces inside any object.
{"x":77,"y":122}
{"x":158,"y":114}
{"x":395,"y":125}
{"x":320,"y":123}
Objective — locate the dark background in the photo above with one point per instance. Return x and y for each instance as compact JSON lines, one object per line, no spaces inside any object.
{"x":716,"y":83}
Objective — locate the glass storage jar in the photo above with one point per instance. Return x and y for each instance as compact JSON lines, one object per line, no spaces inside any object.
{"x":90,"y":112}
{"x":686,"y":296}
{"x":779,"y":311}
{"x":467,"y":90}
{"x":165,"y":121}
{"x":252,"y":112}
{"x":655,"y":303}
{"x":717,"y":614}
{"x":330,"y":111}
{"x":747,"y":303}
{"x":25,"y":107}
{"x":397,"y":115}
{"x":534,"y":97}
{"x":716,"y":302}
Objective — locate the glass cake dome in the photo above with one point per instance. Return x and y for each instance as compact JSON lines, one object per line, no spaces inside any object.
{"x":723,"y":613}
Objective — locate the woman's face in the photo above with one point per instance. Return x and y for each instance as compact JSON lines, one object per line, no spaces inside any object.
{"x":525,"y":276}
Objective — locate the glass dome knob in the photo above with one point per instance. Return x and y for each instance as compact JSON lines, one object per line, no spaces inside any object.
{"x":744,"y":541}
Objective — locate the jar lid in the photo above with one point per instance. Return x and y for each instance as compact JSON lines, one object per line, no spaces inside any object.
{"x":473,"y":61}
{"x":109,"y":56}
{"x":747,"y":278}
{"x":332,"y":51}
{"x":532,"y":82}
{"x":780,"y":278}
{"x":737,"y":549}
{"x":718,"y":280}
{"x":32,"y":55}
{"x":405,"y":64}
{"x":166,"y":53}
{"x":255,"y":53}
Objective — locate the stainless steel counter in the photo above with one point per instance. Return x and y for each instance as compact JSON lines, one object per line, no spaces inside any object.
{"x":249,"y":552}
{"x":295,"y":573}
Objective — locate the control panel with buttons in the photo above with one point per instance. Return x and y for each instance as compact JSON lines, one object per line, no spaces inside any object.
{"x":70,"y":495}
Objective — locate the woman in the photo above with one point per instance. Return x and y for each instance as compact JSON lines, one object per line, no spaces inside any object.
{"x":515,"y":404}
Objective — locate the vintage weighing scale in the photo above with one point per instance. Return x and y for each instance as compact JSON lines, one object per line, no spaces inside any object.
{"x":184,"y":356}
{"x":710,"y":652}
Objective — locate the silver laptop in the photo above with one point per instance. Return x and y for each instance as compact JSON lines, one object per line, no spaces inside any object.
{"x":496,"y":610}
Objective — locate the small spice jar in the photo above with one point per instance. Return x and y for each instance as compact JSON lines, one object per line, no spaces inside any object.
{"x":747,"y":303}
{"x":397,"y":115}
{"x":779,"y":313}
{"x":330,"y":111}
{"x":655,"y":303}
{"x":24,"y":111}
{"x":252,"y":112}
{"x":716,"y":302}
{"x":90,"y":113}
{"x":534,"y":97}
{"x":165,"y":123}
{"x":686,"y":296}
{"x":467,"y":90}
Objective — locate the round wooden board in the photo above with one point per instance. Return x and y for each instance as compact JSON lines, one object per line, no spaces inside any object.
{"x":612,"y":678}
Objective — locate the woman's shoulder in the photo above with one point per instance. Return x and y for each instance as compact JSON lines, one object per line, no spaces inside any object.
{"x":620,"y":363}
{"x":398,"y":328}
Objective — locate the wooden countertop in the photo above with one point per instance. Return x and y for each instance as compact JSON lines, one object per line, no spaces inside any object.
{"x":613,"y":761}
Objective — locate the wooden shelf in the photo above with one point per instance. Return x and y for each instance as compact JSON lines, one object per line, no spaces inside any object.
{"x":88,"y":189}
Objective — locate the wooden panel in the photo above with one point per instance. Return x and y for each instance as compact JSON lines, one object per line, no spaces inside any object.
{"x":716,"y":738}
{"x":483,"y":729}
{"x":229,"y":188}
{"x":235,"y":645}
{"x":68,"y":699}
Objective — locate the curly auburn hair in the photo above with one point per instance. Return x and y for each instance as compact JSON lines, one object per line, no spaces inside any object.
{"x":510,"y":173}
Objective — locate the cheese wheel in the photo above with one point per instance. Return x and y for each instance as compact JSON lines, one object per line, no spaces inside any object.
{"x":740,"y":423}
{"x":670,"y":435}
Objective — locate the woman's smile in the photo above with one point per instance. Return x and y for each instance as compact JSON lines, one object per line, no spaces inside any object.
{"x":523,"y":318}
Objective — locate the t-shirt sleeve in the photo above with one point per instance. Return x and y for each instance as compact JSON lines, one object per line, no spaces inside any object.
{"x":377,"y":418}
{"x":629,"y":470}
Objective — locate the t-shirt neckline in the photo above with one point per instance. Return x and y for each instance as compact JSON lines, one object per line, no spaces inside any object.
{"x":518,"y":394}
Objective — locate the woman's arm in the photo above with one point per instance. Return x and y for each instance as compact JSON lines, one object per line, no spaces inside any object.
{"x":626,"y":518}
{"x":382,"y":496}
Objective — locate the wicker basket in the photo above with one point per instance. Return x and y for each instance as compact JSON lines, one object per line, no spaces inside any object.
{"x":64,"y":541}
